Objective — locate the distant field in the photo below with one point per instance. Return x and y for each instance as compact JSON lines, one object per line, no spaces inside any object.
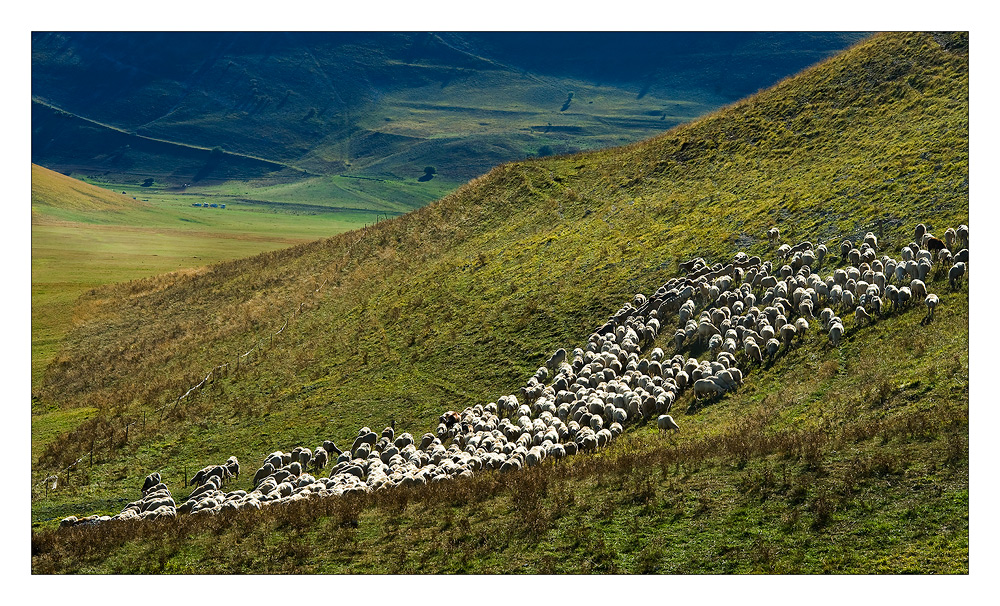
{"x":366,"y":197}
{"x":83,"y":237}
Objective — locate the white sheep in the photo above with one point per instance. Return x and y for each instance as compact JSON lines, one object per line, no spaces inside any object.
{"x":836,"y":332}
{"x":931,"y":301}
{"x":773,"y":235}
{"x":861,"y":315}
{"x":801,"y":327}
{"x":955,"y":275}
{"x":666,"y":423}
{"x":772,"y":346}
{"x":963,"y":236}
{"x":871,"y":240}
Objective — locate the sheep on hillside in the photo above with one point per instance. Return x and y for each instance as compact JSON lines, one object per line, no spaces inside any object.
{"x":836,"y":332}
{"x":232,"y":465}
{"x":955,"y":275}
{"x":666,"y":423}
{"x":962,"y":232}
{"x":931,"y":301}
{"x":151,"y":480}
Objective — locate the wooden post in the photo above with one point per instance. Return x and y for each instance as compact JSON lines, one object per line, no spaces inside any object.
{"x":126,"y":432}
{"x":92,"y":452}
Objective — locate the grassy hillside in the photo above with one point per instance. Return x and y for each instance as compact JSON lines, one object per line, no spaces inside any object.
{"x":155,"y":104}
{"x":458,"y":302}
{"x":84,"y":236}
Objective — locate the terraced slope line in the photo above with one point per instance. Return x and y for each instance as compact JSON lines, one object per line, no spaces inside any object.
{"x":461,"y":300}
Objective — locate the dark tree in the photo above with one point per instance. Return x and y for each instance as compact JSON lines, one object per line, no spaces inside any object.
{"x":429,"y":172}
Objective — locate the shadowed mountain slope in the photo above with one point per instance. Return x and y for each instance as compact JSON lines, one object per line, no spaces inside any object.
{"x":125,"y":104}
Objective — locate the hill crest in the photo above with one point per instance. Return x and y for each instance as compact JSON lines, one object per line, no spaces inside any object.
{"x":54,"y":190}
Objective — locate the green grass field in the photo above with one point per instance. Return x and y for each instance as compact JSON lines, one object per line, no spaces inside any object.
{"x":83,"y":237}
{"x":849,"y":459}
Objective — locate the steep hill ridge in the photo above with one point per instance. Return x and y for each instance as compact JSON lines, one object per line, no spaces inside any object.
{"x":458,"y":302}
{"x":49,"y":188}
{"x":869,"y":136}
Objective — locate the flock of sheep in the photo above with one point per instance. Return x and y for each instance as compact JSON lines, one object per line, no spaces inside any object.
{"x":738,"y":314}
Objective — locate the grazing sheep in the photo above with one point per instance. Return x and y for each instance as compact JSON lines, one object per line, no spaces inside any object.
{"x":933,"y":244}
{"x":931,"y":302}
{"x":903,"y":297}
{"x":319,"y":458}
{"x":871,"y":240}
{"x":963,"y":235}
{"x":666,"y":423}
{"x":860,"y":314}
{"x":262,"y":473}
{"x":949,"y":237}
{"x":232,"y":466}
{"x":211,"y":471}
{"x":955,"y":275}
{"x":151,"y":480}
{"x":589,"y":402}
{"x":847,"y":300}
{"x":556,"y":359}
{"x":801,"y":327}
{"x":707,"y":387}
{"x":836,"y":332}
{"x":368,"y":438}
{"x":854,"y":256}
{"x":448,"y":419}
{"x":773,"y":235}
